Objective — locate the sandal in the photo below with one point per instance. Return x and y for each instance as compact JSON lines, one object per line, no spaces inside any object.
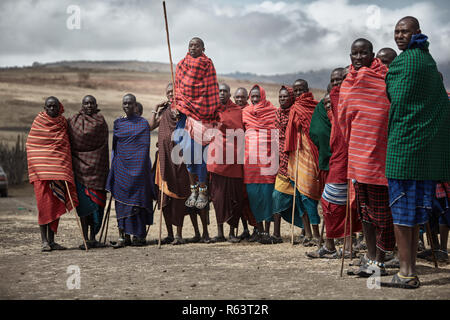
{"x":264,"y":238}
{"x":402,"y":282}
{"x":178,"y":240}
{"x":190,"y":202}
{"x":218,"y":239}
{"x":121,"y":243}
{"x":233,"y":239}
{"x":276,"y":240}
{"x":46,"y":248}
{"x":323,"y":252}
{"x":254,"y":237}
{"x":393,"y":263}
{"x":202,"y":199}
{"x":138,"y":242}
{"x":205,"y":240}
{"x":244,"y":235}
{"x":308,"y":242}
{"x":195,"y":239}
{"x":167,"y":240}
{"x":56,"y":246}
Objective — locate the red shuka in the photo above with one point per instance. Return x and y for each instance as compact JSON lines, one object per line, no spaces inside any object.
{"x":299,"y":121}
{"x":363,"y":114}
{"x":229,"y":118}
{"x":257,"y":118}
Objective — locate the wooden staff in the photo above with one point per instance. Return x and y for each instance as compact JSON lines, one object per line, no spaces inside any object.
{"x":345,"y":230}
{"x":168,"y":45}
{"x":295,"y":189}
{"x":430,"y":241}
{"x":107,"y":223}
{"x":160,"y":210}
{"x":76,"y":216}
{"x":106,"y":216}
{"x":351,"y":230}
{"x":174,"y":104}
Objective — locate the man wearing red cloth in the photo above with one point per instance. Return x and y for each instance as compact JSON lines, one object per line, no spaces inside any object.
{"x":50,"y":170}
{"x":363,"y":114}
{"x":197,"y":98}
{"x":225,"y":159}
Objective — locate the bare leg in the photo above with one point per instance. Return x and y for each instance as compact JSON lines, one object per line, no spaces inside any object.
{"x":43,"y":229}
{"x":371,"y":241}
{"x":169,"y":228}
{"x":316,"y":233}
{"x":414,"y":245}
{"x":443,"y":231}
{"x":329,"y":244}
{"x":179,"y":232}
{"x":267,"y":226}
{"x":195,"y":224}
{"x":277,"y":225}
{"x":204,"y":220}
{"x":306,"y":226}
{"x":84,"y":227}
{"x":244,"y":224}
{"x":404,"y":236}
{"x":51,"y":235}
{"x":220,"y":230}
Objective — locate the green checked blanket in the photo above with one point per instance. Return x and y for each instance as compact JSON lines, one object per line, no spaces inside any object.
{"x":319,"y":132}
{"x":419,"y":119}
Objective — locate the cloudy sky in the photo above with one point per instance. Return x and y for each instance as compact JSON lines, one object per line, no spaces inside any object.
{"x":264,"y":37}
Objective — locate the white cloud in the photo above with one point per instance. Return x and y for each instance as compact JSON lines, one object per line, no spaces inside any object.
{"x":264,"y":37}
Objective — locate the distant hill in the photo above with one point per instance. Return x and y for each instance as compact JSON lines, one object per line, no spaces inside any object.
{"x":316,"y":79}
{"x":132,"y":65}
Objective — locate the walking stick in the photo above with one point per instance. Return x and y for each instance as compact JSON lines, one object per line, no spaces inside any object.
{"x":345,"y":230}
{"x":430,"y":240}
{"x":76,"y":216}
{"x":295,"y":189}
{"x":107,"y":222}
{"x":104,"y":218}
{"x":160,"y":212}
{"x":351,"y":230}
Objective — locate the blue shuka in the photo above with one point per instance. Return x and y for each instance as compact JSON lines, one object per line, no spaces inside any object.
{"x":130,"y":177}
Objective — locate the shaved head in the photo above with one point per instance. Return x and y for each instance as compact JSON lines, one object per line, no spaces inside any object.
{"x":386,"y":55}
{"x":412,"y":21}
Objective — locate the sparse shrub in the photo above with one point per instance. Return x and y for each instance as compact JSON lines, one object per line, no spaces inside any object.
{"x":14,"y":160}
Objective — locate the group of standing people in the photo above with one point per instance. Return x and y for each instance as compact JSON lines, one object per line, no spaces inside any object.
{"x":374,"y":152}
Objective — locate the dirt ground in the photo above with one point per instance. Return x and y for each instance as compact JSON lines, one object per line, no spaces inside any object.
{"x":192,"y":271}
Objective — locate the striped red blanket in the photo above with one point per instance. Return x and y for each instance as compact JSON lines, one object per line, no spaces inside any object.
{"x":48,"y":152}
{"x":363,"y":114}
{"x":196,"y":88}
{"x":259,"y":122}
{"x":299,"y":121}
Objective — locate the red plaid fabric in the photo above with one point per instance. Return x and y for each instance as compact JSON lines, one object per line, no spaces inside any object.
{"x":299,"y":121}
{"x":443,"y":190}
{"x":90,"y":155}
{"x":257,"y":118}
{"x":196,"y":88}
{"x":374,"y":208}
{"x":281,"y":121}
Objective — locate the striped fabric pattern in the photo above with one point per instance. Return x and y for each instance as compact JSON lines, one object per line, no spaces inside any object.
{"x":363,"y":114}
{"x":196,"y":88}
{"x":129,"y":179}
{"x":282,"y":119}
{"x":335,"y":193}
{"x":258,"y":122}
{"x":419,"y":130}
{"x":48,"y":149}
